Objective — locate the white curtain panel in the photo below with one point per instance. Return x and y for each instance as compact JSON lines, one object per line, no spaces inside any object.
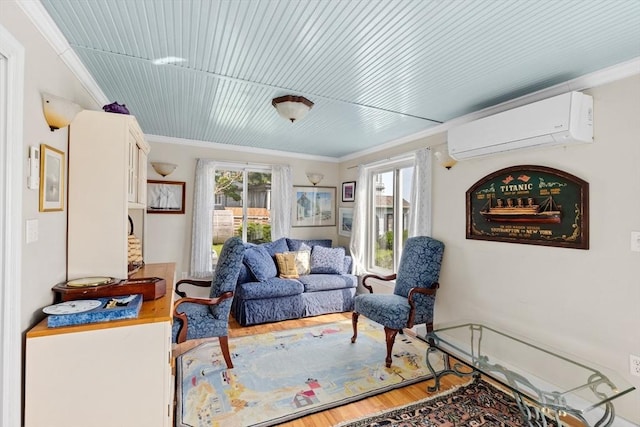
{"x":281,"y":189}
{"x":202,"y":230}
{"x":420,"y":208}
{"x":358,"y":242}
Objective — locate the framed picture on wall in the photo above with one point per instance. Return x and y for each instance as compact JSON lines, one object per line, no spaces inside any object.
{"x":51,"y":179}
{"x":348,"y":191}
{"x":345,"y":221}
{"x":314,"y":206}
{"x":165,"y":197}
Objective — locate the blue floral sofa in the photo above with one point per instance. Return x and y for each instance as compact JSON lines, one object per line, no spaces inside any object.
{"x":319,"y":282}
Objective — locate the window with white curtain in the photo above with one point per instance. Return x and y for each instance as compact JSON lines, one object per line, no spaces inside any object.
{"x":388,"y":206}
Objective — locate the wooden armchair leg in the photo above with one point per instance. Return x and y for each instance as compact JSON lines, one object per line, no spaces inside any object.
{"x":354,"y":322}
{"x":390,"y":335}
{"x":224,"y":346}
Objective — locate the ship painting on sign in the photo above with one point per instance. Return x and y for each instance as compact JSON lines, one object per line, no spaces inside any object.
{"x":546,"y":212}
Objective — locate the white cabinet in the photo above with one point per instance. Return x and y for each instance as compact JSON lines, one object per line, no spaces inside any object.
{"x":110,"y":374}
{"x":107,"y":183}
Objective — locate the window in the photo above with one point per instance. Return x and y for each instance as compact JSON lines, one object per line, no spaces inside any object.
{"x":389,"y":190}
{"x":242,"y":204}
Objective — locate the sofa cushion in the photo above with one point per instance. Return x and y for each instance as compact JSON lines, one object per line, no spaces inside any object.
{"x":274,"y":287}
{"x":327,"y":282}
{"x":307,"y":244}
{"x":260,"y":263}
{"x":327,"y":260}
{"x":287,"y":265}
{"x":303,"y":262}
{"x":276,"y":247}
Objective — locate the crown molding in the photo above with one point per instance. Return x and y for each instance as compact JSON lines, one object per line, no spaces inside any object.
{"x":237,"y":148}
{"x":50,"y":31}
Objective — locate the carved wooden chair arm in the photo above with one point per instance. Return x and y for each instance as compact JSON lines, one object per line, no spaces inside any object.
{"x":201,"y":283}
{"x":424,"y":291}
{"x":182,"y":335}
{"x":375,"y":276}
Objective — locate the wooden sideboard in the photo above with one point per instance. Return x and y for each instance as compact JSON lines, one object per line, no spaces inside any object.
{"x":116,"y":373}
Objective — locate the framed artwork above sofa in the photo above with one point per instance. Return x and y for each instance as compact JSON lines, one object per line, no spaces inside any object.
{"x":314,"y":206}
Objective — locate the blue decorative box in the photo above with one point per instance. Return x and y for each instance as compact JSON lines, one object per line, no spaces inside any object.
{"x":110,"y":308}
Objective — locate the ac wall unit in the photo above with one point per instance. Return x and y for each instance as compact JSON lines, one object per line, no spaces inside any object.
{"x":562,"y":119}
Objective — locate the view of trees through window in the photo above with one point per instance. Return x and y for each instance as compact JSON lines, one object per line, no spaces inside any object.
{"x":242,"y":206}
{"x":391,"y":200}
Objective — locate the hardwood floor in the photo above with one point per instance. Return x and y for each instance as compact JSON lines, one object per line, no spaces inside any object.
{"x":358,"y":409}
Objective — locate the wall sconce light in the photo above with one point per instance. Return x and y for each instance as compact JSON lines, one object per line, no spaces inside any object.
{"x":292,"y":107}
{"x":444,"y":158}
{"x":163,"y":169}
{"x":58,"y":112}
{"x":314,"y":177}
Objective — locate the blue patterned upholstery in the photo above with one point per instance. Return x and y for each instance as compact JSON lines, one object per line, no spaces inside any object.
{"x":210,"y":317}
{"x":419,"y":268}
{"x":327,"y":260}
{"x":260,"y":263}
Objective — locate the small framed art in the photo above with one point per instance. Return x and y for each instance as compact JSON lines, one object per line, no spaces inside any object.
{"x":165,"y":197}
{"x":348,"y":191}
{"x":51,"y":179}
{"x":345,"y":221}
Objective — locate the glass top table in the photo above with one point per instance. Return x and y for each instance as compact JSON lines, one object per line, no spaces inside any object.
{"x":555,"y":385}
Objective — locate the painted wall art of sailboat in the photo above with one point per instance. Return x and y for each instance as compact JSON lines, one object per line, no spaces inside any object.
{"x":547,"y":212}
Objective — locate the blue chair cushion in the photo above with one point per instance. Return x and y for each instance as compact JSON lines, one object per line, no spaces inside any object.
{"x":201,"y":322}
{"x":260,"y":263}
{"x":307,"y":244}
{"x":388,"y":310}
{"x":327,"y":282}
{"x":327,"y":260}
{"x":274,"y":287}
{"x":226,"y":276}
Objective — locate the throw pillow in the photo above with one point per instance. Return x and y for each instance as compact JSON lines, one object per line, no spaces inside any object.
{"x":303,"y":262}
{"x":327,"y":260}
{"x":260,"y":263}
{"x":275,"y":247}
{"x":287,"y":265}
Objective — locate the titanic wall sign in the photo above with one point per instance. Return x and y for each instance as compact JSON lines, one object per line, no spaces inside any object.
{"x":534,"y":205}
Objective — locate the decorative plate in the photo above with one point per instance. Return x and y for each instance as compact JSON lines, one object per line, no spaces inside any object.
{"x":71,"y":307}
{"x":88,"y":281}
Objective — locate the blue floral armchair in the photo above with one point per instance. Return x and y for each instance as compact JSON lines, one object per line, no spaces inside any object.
{"x":209,"y":317}
{"x":414,"y":295}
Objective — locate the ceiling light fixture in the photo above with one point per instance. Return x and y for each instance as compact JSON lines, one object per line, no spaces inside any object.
{"x":163,"y":169}
{"x":292,"y":107}
{"x":444,"y":158}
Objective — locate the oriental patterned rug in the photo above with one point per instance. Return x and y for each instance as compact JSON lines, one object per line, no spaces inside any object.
{"x":477,"y":404}
{"x":284,"y":375}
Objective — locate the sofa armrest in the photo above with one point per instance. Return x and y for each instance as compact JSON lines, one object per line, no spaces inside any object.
{"x":348,"y":264}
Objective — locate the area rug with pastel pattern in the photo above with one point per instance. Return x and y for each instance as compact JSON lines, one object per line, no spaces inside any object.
{"x":280,"y":376}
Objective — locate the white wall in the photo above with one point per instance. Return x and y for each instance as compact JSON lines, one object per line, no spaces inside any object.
{"x":169,"y":236}
{"x":582,"y":302}
{"x":43,"y":261}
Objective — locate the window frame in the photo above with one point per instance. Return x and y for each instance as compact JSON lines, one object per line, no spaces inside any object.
{"x":396,"y":166}
{"x":246,"y":168}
